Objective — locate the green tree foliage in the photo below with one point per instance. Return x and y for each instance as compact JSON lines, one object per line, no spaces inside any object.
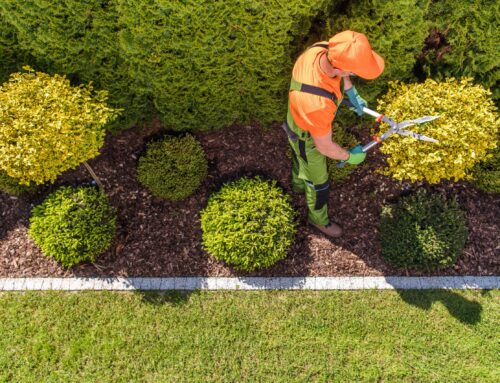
{"x":73,"y":225}
{"x":249,"y":224}
{"x":79,"y":39}
{"x":422,"y":231}
{"x":396,"y":30}
{"x":48,"y":126}
{"x":464,"y":41}
{"x":466,"y":129}
{"x":173,"y":168}
{"x":211,"y":63}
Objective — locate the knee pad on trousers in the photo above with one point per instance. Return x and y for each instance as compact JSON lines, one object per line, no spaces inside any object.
{"x":321,"y":191}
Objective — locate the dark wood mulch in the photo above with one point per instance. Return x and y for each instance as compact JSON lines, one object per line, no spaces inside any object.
{"x":161,"y":238}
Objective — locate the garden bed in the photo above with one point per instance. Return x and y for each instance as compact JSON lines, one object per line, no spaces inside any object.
{"x":160,"y":238}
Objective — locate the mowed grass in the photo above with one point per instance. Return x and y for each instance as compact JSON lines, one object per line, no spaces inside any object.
{"x":287,"y":336}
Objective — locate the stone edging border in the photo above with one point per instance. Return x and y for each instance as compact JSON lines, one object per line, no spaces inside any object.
{"x":249,"y":283}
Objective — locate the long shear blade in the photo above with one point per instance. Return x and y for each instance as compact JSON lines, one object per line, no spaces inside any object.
{"x":425,"y":119}
{"x":418,"y":136}
{"x":421,"y":120}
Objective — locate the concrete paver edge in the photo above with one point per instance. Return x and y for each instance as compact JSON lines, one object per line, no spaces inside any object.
{"x":249,"y":283}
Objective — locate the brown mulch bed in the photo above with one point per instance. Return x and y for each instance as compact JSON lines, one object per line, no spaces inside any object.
{"x":162,"y":238}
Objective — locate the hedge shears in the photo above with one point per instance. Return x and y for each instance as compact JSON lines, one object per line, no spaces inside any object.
{"x":395,"y":128}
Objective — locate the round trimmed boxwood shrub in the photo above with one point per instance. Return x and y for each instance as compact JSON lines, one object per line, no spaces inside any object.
{"x":73,"y":225}
{"x":346,"y":140}
{"x":12,"y":186}
{"x":173,"y":168}
{"x":249,"y":224}
{"x":422,"y":231}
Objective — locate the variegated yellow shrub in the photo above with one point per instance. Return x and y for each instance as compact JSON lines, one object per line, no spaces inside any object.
{"x":466,"y":130}
{"x":48,"y":126}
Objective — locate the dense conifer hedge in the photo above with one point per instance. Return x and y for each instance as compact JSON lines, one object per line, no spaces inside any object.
{"x":463,"y":41}
{"x":205,"y":64}
{"x":9,"y":50}
{"x":79,"y":39}
{"x":209,"y":64}
{"x":396,"y":30}
{"x":422,"y":39}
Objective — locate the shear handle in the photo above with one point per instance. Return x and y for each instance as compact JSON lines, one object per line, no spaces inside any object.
{"x":370,"y":145}
{"x":379,"y":117}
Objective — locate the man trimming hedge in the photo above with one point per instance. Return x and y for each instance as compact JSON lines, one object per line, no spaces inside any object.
{"x":318,"y":77}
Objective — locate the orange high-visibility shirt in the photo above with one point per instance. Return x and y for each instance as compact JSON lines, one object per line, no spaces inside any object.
{"x":313,"y":113}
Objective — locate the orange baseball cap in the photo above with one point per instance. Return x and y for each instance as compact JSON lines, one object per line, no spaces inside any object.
{"x":351,"y":51}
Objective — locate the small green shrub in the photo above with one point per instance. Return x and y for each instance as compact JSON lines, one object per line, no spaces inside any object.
{"x":173,"y":168}
{"x":347,"y":140}
{"x":486,"y":175}
{"x":422,"y":231}
{"x":249,"y":224}
{"x":73,"y":225}
{"x":11,"y":186}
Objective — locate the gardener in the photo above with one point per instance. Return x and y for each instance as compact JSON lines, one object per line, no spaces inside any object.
{"x":315,"y":95}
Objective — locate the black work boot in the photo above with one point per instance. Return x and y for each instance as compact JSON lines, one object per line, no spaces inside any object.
{"x":332,"y":229}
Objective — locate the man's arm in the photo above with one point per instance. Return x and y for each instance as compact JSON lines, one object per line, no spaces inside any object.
{"x":328,"y":148}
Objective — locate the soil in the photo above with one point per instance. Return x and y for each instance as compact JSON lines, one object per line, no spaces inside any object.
{"x":161,"y":238}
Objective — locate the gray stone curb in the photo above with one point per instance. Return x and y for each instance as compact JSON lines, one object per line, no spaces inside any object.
{"x":249,"y":283}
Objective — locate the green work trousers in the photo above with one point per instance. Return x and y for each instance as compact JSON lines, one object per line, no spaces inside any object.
{"x":309,"y":173}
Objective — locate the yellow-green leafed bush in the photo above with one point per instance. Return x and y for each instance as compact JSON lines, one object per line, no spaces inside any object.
{"x":466,"y":130}
{"x":48,"y":126}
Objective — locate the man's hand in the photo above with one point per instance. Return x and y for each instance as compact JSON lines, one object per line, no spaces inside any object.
{"x":356,"y":155}
{"x":357,"y":102}
{"x":328,"y":148}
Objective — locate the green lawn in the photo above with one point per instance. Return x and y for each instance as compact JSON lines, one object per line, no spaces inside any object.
{"x":337,"y":336}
